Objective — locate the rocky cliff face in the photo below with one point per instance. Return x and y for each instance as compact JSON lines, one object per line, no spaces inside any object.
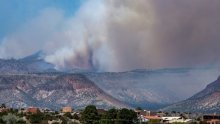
{"x":53,"y":91}
{"x":208,"y":100}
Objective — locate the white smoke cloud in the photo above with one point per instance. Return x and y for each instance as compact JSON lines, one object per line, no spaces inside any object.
{"x":118,"y":35}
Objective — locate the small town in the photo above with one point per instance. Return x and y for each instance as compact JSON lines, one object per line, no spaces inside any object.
{"x":93,"y":115}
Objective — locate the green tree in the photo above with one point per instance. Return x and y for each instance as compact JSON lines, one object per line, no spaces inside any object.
{"x":10,"y":118}
{"x":55,"y":123}
{"x":90,"y":115}
{"x":3,"y":105}
{"x":68,"y":115}
{"x":1,"y":121}
{"x":75,"y":116}
{"x":154,"y":121}
{"x":64,"y":120}
{"x":3,"y":113}
{"x":36,"y":118}
{"x":126,"y":116}
{"x":21,"y":121}
{"x":48,"y":116}
{"x":112,"y":113}
{"x":110,"y":116}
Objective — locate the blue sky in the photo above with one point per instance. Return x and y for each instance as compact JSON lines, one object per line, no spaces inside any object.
{"x":14,"y":13}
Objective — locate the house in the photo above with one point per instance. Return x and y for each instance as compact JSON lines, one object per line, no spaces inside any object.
{"x":176,"y":120}
{"x":32,"y":110}
{"x":142,"y":119}
{"x":142,"y":112}
{"x":4,"y":110}
{"x":147,"y":116}
{"x":145,"y":113}
{"x":67,"y":110}
{"x":55,"y":121}
{"x":152,"y":119}
{"x":161,"y":114}
{"x":211,"y":119}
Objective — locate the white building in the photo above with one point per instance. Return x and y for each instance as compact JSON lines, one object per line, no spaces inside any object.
{"x":176,"y":119}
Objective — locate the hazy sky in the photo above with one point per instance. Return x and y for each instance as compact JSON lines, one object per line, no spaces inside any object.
{"x":15,"y":13}
{"x":113,"y":35}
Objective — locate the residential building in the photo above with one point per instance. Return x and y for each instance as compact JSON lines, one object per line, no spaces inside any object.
{"x":67,"y":110}
{"x":153,"y":119}
{"x":32,"y":110}
{"x":211,"y":119}
{"x":176,"y":120}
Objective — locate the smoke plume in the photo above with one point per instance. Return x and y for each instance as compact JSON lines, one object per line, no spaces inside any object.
{"x":118,"y":35}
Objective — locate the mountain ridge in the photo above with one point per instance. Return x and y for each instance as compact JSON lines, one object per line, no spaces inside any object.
{"x":149,"y":89}
{"x":53,"y":91}
{"x":207,"y":100}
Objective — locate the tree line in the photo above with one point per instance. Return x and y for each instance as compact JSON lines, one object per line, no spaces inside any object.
{"x":113,"y":116}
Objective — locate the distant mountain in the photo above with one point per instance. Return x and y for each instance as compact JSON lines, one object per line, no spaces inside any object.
{"x":153,"y":89}
{"x":32,"y":63}
{"x":150,"y":89}
{"x":34,"y":57}
{"x":208,"y":100}
{"x":48,"y":90}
